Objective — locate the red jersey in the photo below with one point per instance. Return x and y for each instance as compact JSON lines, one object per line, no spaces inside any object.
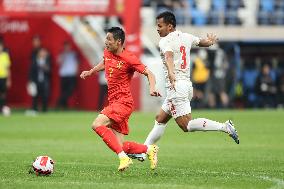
{"x":119,"y":70}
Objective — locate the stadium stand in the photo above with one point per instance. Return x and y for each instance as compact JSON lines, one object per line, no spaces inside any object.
{"x":249,"y":31}
{"x":222,"y":12}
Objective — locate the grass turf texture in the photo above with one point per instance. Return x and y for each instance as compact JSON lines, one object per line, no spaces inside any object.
{"x":186,"y":160}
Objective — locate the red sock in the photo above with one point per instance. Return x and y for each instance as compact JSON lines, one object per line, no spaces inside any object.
{"x":109,"y":138}
{"x":134,"y":148}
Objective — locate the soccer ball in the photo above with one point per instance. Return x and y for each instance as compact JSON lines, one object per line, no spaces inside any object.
{"x":43,"y":165}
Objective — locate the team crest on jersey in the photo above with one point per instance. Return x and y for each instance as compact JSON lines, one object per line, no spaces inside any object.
{"x":119,"y":64}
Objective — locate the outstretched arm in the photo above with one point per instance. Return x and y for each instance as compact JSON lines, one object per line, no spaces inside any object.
{"x":152,"y":82}
{"x":207,"y":42}
{"x":99,"y":67}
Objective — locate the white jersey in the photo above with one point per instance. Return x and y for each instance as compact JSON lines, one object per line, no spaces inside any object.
{"x":180,"y":44}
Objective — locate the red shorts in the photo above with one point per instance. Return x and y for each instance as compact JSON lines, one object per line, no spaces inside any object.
{"x":120,"y":114}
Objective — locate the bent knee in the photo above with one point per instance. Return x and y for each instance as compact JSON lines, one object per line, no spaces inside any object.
{"x":95,"y":125}
{"x":161,"y":119}
{"x":183,"y":128}
{"x":158,"y":119}
{"x":101,"y":120}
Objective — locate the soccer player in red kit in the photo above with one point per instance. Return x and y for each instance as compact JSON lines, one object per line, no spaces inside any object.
{"x":112,"y":123}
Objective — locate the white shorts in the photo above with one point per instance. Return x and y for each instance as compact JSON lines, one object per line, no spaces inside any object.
{"x":177,"y":102}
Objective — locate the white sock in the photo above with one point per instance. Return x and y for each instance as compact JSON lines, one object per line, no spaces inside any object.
{"x":156,"y":133}
{"x":122,"y":154}
{"x":203,"y":124}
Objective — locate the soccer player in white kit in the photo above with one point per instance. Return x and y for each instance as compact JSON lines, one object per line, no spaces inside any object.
{"x":175,"y":53}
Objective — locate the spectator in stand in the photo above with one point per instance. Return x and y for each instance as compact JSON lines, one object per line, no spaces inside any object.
{"x":68,"y":69}
{"x":36,"y":42}
{"x":266,"y":87}
{"x":179,"y":11}
{"x":40,"y":76}
{"x":218,"y":96}
{"x":32,"y":87}
{"x":200,"y":76}
{"x":280,"y":91}
{"x":163,"y":5}
{"x":5,"y":79}
{"x":280,"y":84}
{"x":248,"y":80}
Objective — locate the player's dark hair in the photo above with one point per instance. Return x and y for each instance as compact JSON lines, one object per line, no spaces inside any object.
{"x":169,"y":18}
{"x":117,"y":33}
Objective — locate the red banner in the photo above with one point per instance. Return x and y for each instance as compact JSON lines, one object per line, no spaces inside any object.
{"x":50,"y":7}
{"x":131,"y":22}
{"x":17,"y":33}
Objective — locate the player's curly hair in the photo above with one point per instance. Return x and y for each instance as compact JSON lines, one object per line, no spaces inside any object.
{"x":169,"y":18}
{"x":117,"y":33}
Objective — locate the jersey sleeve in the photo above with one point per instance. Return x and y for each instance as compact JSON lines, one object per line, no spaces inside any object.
{"x":136,"y":64}
{"x":193,"y":39}
{"x":165,"y":45}
{"x":106,"y":55}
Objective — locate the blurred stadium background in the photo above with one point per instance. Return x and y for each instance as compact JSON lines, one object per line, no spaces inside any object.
{"x":227,"y":75}
{"x":245,"y":70}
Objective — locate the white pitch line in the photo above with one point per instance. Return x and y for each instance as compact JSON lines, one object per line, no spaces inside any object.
{"x":278,"y":183}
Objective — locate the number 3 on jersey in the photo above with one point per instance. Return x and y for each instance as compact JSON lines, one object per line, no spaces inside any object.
{"x":182,"y":50}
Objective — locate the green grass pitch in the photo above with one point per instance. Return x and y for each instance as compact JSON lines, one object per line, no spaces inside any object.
{"x":199,"y":160}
